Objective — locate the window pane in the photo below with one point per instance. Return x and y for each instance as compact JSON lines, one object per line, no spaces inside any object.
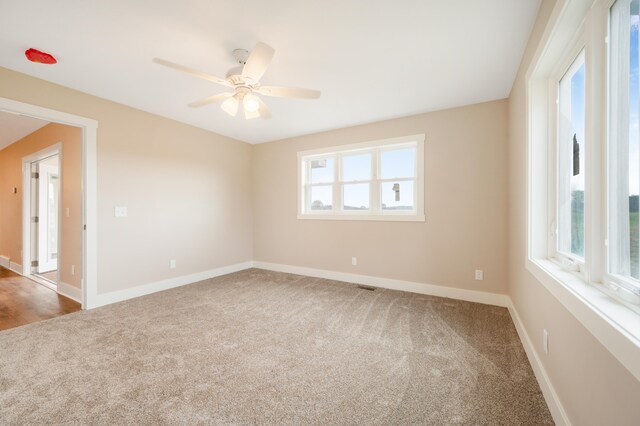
{"x":571,"y":156}
{"x":624,"y":165}
{"x":356,"y":167}
{"x":356,"y":196}
{"x":321,"y":197}
{"x":321,"y":170}
{"x":397,"y":195}
{"x":397,"y":163}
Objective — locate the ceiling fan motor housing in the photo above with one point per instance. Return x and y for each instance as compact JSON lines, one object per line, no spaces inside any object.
{"x":242,"y":91}
{"x":241,"y":55}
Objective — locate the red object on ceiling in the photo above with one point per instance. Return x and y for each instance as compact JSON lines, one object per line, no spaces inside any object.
{"x":34,"y":55}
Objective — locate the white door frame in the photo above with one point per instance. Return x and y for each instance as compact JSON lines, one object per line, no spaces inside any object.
{"x":55,"y":149}
{"x":89,"y":189}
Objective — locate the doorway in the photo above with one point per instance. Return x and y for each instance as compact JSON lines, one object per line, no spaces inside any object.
{"x":88,"y":208}
{"x":45,"y":218}
{"x":41,"y":215}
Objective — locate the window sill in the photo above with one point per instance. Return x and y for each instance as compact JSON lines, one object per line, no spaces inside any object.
{"x":614,"y":325}
{"x":380,"y":218}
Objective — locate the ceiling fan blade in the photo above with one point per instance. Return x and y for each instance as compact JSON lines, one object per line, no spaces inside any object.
{"x":210,"y":100}
{"x":257,"y":62}
{"x":230,"y":105}
{"x":289,"y":92}
{"x":192,"y":71}
{"x":263,"y":110}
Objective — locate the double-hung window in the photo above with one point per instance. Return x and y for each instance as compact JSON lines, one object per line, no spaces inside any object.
{"x":380,"y":180}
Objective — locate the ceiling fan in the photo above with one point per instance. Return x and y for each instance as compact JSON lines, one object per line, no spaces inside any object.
{"x":245,"y":82}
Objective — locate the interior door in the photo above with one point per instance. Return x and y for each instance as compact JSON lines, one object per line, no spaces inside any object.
{"x":47,"y":201}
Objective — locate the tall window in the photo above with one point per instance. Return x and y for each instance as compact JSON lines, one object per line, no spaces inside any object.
{"x":624,"y":146}
{"x":571,"y":161}
{"x":583,"y":93}
{"x":376,"y":180}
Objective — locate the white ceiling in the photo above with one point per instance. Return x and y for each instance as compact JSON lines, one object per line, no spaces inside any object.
{"x":372,"y":60}
{"x":14,"y":127}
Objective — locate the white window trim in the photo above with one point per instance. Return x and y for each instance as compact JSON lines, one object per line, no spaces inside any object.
{"x":610,"y":320}
{"x":416,"y":215}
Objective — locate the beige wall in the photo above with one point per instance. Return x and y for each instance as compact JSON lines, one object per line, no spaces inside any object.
{"x":11,"y":204}
{"x":190,"y":193}
{"x":465,"y":205}
{"x":187,"y":190}
{"x":593,"y":387}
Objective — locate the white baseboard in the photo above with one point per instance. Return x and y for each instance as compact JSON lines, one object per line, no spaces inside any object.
{"x":393,"y":284}
{"x":5,"y":262}
{"x":15,"y":267}
{"x":67,"y":290}
{"x":413,"y":287}
{"x":142,"y":290}
{"x":551,"y":397}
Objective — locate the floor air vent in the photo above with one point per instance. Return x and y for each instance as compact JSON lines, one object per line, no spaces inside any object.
{"x":366,"y":287}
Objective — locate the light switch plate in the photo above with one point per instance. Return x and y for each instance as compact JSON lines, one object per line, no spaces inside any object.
{"x":120,"y":211}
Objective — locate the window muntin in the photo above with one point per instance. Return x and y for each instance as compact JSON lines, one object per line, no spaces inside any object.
{"x":624,"y":145}
{"x":571,"y":151}
{"x":365,"y":181}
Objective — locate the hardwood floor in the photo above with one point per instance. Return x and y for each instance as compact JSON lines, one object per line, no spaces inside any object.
{"x":51,"y":276}
{"x":23,"y":301}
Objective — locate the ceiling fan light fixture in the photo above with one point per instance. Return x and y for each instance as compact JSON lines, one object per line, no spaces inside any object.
{"x":230,"y":106}
{"x":249,"y":115}
{"x":251,"y":103}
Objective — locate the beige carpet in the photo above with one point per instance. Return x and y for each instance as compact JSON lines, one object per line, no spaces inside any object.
{"x":259,"y":347}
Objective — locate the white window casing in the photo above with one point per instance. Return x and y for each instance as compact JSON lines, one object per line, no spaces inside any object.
{"x":349,"y":181}
{"x":598,"y":288}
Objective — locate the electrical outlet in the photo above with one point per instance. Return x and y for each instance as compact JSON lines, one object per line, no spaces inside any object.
{"x":479,"y":275}
{"x":545,"y":341}
{"x":172,"y":264}
{"x":73,"y":269}
{"x":354,"y":261}
{"x":67,"y":211}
